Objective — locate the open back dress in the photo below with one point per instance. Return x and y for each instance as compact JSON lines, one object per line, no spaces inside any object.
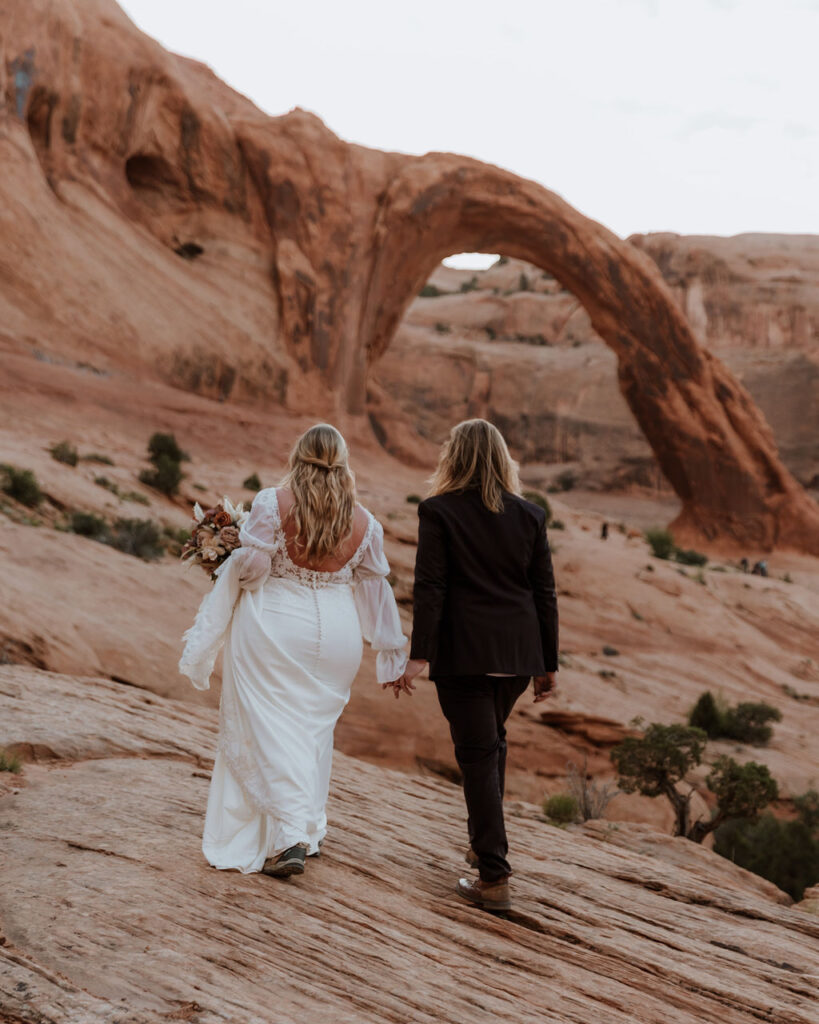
{"x":293,"y":645}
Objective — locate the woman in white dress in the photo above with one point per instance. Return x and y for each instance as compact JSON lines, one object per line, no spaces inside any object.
{"x":290,"y":605}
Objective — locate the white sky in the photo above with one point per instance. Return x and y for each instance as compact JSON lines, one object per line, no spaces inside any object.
{"x":696,"y":116}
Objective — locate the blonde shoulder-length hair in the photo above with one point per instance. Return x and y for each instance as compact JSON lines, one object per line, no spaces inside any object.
{"x":323,"y":487}
{"x":475,"y":455}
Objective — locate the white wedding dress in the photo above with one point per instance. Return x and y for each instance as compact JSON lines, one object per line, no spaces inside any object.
{"x":292,"y":639}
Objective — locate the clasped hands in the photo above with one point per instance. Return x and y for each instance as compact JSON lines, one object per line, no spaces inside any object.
{"x":544,"y":685}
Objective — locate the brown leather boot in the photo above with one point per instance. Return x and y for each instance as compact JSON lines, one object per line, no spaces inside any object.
{"x":487,"y":895}
{"x":471,"y":857}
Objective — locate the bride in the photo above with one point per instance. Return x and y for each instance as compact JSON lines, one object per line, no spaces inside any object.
{"x":290,"y":605}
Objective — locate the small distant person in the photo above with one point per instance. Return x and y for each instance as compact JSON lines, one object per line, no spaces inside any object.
{"x":760,"y":568}
{"x":485,"y":621}
{"x":743,"y":564}
{"x":604,"y":531}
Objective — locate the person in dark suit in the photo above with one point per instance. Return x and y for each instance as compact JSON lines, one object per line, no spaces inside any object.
{"x":485,"y":622}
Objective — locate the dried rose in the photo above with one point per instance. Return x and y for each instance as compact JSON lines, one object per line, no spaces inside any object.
{"x":222,"y":518}
{"x":229,"y":536}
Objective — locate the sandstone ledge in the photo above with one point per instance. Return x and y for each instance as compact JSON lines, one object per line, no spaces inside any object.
{"x":109,"y":914}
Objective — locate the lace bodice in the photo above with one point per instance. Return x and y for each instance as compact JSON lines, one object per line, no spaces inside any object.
{"x":281,"y":564}
{"x":262,"y":557}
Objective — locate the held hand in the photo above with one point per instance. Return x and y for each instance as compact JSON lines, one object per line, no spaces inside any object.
{"x":405,"y":683}
{"x":545,"y":686}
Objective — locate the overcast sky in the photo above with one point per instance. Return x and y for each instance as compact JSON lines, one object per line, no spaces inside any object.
{"x":648,"y":115}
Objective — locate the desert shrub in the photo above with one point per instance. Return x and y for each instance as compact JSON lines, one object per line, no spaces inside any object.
{"x":96,"y":457}
{"x":707,"y":715}
{"x":252,"y":483}
{"x":609,"y":651}
{"x":748,"y":723}
{"x":165,"y":444}
{"x":745,"y":723}
{"x":21,"y":484}
{"x":501,"y":261}
{"x":138,"y":537}
{"x":414,"y":499}
{"x":784,"y":852}
{"x":65,"y":452}
{"x":86,"y":524}
{"x":165,"y":477}
{"x":491,"y":333}
{"x":592,"y":798}
{"x":566,"y":480}
{"x":470,"y":285}
{"x":10,"y":763}
{"x":557,"y":524}
{"x":137,"y":496}
{"x":687,"y":556}
{"x":109,"y":485}
{"x":661,"y":543}
{"x":430,"y":291}
{"x":523,"y":283}
{"x":539,"y":499}
{"x":560,"y":808}
{"x":443,"y":328}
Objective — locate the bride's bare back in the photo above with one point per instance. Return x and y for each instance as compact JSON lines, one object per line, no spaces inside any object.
{"x":333,"y":562}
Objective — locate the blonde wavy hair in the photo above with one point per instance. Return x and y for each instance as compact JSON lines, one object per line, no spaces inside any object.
{"x":323,"y":487}
{"x":475,"y":455}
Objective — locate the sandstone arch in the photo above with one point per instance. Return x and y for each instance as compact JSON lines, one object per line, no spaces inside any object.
{"x":351,"y":234}
{"x":711,"y":441}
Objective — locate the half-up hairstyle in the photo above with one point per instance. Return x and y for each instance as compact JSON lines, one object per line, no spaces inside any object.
{"x":323,"y":489}
{"x":475,"y":455}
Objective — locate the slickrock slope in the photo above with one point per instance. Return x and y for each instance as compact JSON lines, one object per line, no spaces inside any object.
{"x":109,"y":914}
{"x":161,"y":222}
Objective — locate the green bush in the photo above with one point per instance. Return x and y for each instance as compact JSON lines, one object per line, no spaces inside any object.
{"x":661,"y":543}
{"x":165,"y":444}
{"x":566,"y":480}
{"x":414,"y":499}
{"x":561,"y":808}
{"x":706,"y":715}
{"x":491,"y":333}
{"x":137,"y":496}
{"x":65,"y":452}
{"x":429,"y":291}
{"x":747,"y":723}
{"x":165,"y":477}
{"x":523,"y":283}
{"x":252,"y":483}
{"x":21,"y":485}
{"x":539,"y":499}
{"x":86,"y":524}
{"x":784,"y":852}
{"x":138,"y":537}
{"x":557,"y":524}
{"x":687,"y":556}
{"x":95,"y":457}
{"x":10,"y":763}
{"x":470,"y":285}
{"x":443,"y":328}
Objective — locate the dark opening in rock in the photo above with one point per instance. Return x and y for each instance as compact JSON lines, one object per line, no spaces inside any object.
{"x":189,"y":250}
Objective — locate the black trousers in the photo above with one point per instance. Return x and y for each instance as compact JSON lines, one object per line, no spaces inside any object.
{"x":476,"y":708}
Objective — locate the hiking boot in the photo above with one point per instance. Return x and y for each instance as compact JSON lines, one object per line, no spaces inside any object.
{"x":471,"y":858}
{"x":492,"y":896}
{"x":291,"y":862}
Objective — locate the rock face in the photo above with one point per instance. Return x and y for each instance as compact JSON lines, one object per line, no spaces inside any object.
{"x":109,"y":913}
{"x":104,"y":132}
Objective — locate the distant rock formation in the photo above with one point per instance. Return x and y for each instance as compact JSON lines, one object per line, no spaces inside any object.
{"x":512,"y":344}
{"x":104,"y":128}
